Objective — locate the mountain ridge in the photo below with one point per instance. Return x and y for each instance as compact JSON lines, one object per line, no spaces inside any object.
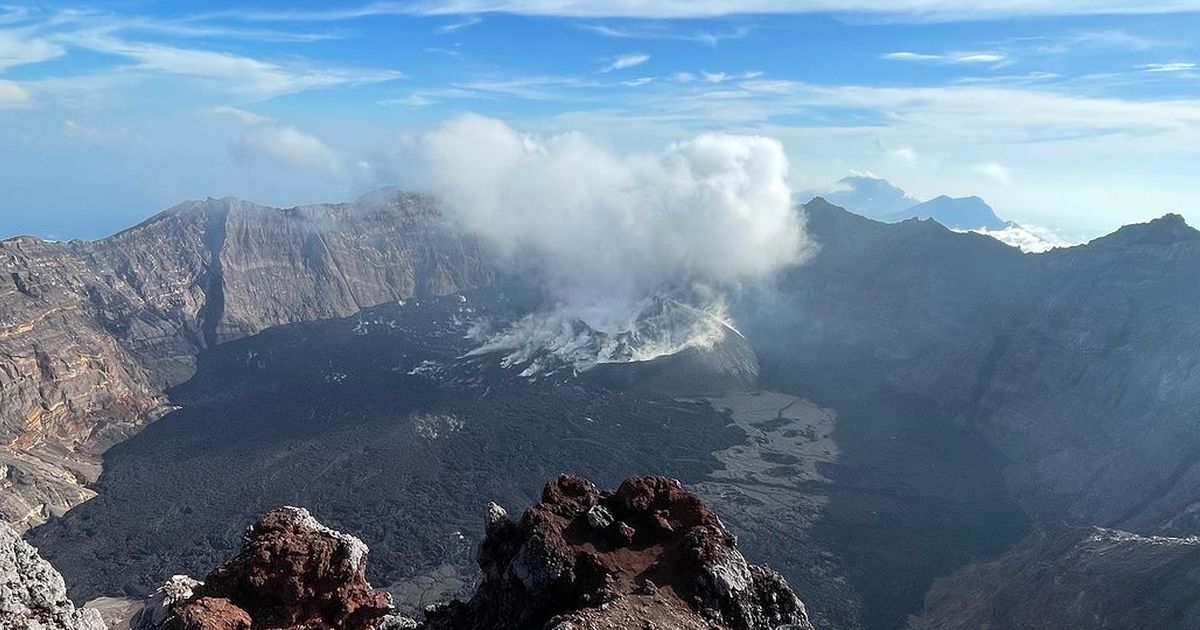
{"x":964,"y":213}
{"x":877,"y":198}
{"x":91,"y":332}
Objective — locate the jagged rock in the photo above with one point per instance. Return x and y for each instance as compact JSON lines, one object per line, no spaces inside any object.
{"x":292,"y":572}
{"x":32,"y":594}
{"x":158,"y":606}
{"x":599,"y":517}
{"x":496,"y":517}
{"x":556,"y":569}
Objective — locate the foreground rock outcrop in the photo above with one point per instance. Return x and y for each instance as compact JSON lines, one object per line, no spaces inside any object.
{"x":649,"y":555}
{"x":32,"y":593}
{"x":292,"y":572}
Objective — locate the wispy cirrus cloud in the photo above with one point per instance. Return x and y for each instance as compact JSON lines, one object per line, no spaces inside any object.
{"x":985,"y":57}
{"x":1174,"y":66}
{"x":454,"y":27}
{"x":1115,"y":39}
{"x":240,"y":76}
{"x":668,"y":31}
{"x":947,"y":116}
{"x":154,"y":48}
{"x":22,"y":46}
{"x":622,"y":62}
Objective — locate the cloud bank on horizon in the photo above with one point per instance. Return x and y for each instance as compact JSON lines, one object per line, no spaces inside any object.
{"x":1082,"y":119}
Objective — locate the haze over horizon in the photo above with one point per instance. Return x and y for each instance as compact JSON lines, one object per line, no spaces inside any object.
{"x":1075,"y":116}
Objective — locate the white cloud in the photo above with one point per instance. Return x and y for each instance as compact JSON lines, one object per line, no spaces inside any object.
{"x":667,"y":31}
{"x":97,"y":134}
{"x":976,"y":114}
{"x":1178,"y":66}
{"x":242,"y":76}
{"x":18,"y":47}
{"x":266,"y":139}
{"x":425,"y":98}
{"x":952,"y":58}
{"x":907,"y":155}
{"x":455,"y":27}
{"x":414,"y":100}
{"x":48,"y":35}
{"x":714,"y":77}
{"x":80,"y":131}
{"x":1029,"y":239}
{"x":13,"y":95}
{"x":538,"y":88}
{"x":243,"y":116}
{"x":994,"y":171}
{"x":290,"y":147}
{"x":1111,"y":38}
{"x":627,"y":61}
{"x":716,"y":209}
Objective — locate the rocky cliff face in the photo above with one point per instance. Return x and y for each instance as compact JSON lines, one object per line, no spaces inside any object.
{"x":649,"y":554}
{"x":32,"y":593}
{"x":92,"y":332}
{"x":1076,"y":365}
{"x":1074,"y":578}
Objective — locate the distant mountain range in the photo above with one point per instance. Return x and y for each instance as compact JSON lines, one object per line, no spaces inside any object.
{"x":956,"y":213}
{"x":879,"y":199}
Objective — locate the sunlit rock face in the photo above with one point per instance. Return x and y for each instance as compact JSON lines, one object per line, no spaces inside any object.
{"x":92,"y":332}
{"x":32,"y":593}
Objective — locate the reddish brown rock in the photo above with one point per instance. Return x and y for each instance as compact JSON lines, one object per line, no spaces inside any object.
{"x":649,"y":552}
{"x":292,"y":572}
{"x":210,"y":613}
{"x":650,"y":555}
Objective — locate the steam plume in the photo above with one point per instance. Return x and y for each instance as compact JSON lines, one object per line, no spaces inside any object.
{"x":612,"y":230}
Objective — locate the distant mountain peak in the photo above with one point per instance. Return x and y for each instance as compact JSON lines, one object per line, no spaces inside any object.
{"x":1173,"y":221}
{"x":869,"y":196}
{"x":1166,"y":230}
{"x":956,"y":213}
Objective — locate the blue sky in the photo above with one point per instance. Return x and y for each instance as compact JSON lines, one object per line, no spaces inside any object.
{"x":1073,"y":115}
